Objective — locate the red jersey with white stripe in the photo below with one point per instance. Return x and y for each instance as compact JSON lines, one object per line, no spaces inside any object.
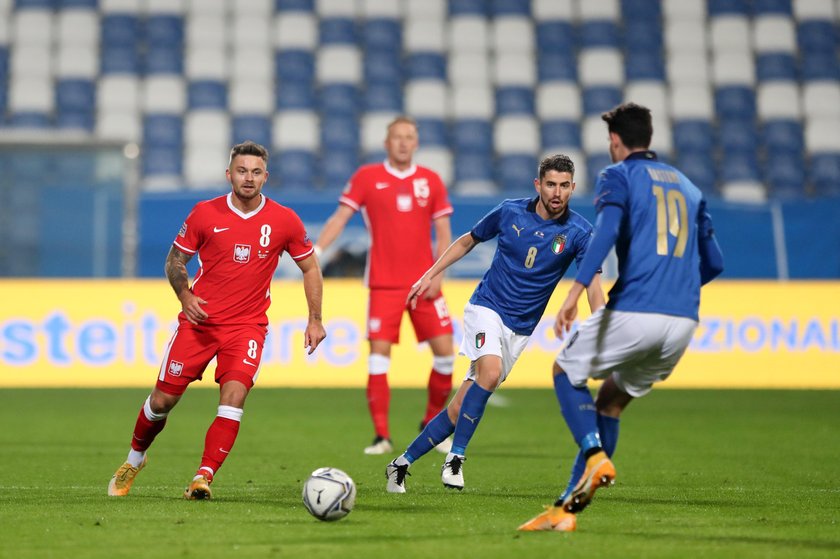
{"x":238,"y":254}
{"x":398,"y":208}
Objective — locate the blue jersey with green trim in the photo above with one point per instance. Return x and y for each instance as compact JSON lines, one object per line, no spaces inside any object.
{"x":531,"y":256}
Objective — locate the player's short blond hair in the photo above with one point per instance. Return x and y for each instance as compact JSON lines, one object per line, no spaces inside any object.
{"x":248,"y":148}
{"x":401,"y":119}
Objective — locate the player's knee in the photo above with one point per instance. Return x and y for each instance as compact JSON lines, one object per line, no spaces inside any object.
{"x":444,"y":365}
{"x":158,"y":405}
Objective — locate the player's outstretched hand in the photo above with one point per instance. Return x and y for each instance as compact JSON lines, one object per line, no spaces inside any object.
{"x":566,"y":317}
{"x":313,"y":335}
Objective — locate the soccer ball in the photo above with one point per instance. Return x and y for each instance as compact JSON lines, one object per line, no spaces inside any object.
{"x":329,"y":494}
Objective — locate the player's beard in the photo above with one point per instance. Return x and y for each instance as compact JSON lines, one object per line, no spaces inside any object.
{"x":552,"y":213}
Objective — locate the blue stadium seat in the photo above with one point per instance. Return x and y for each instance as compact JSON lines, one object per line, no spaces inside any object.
{"x":560,"y":133}
{"x":555,"y":37}
{"x":775,"y":66}
{"x":765,"y":7}
{"x":735,"y":101}
{"x":644,"y":65}
{"x":77,"y":4}
{"x":158,"y":160}
{"x":4,"y":89}
{"x":376,"y":156}
{"x":291,"y":95}
{"x":514,"y":100}
{"x":598,"y":33}
{"x":699,"y":167}
{"x":293,"y":169}
{"x":120,"y":60}
{"x":338,"y":98}
{"x":294,"y":65}
{"x":784,"y":174}
{"x":825,"y":173}
{"x":737,"y":135}
{"x":4,"y":62}
{"x":728,"y":7}
{"x":693,"y":136}
{"x":69,"y":119}
{"x":642,"y":35}
{"x":473,"y":167}
{"x":426,"y":65}
{"x":337,"y":167}
{"x":35,"y":4}
{"x":819,"y":66}
{"x":382,"y":34}
{"x":557,"y":67}
{"x":164,"y":30}
{"x":433,"y":132}
{"x":467,"y":7}
{"x":340,"y":133}
{"x":636,"y":10}
{"x":510,"y":7}
{"x":599,"y":99}
{"x":817,"y":36}
{"x":337,"y":30}
{"x":739,"y":166}
{"x":515,"y":173}
{"x":382,"y":67}
{"x":165,"y":131}
{"x":383,"y":97}
{"x":75,"y":95}
{"x":207,"y":94}
{"x":294,"y":5}
{"x":782,"y":136}
{"x":594,"y":165}
{"x":164,"y":59}
{"x":119,"y":30}
{"x":256,"y":128}
{"x":472,"y":136}
{"x":29,"y":119}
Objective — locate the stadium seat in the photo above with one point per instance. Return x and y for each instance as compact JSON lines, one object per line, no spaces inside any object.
{"x":432,"y":132}
{"x":560,"y":133}
{"x":337,"y":30}
{"x":637,"y":10}
{"x":163,"y":131}
{"x":693,"y":136}
{"x":821,"y":135}
{"x":813,"y":9}
{"x":425,"y":65}
{"x":559,"y":100}
{"x":818,"y":66}
{"x":294,"y":169}
{"x":598,"y":33}
{"x":296,"y":130}
{"x":776,"y":66}
{"x":206,"y":128}
{"x":429,"y":10}
{"x":256,"y":128}
{"x":723,"y":7}
{"x":207,"y":94}
{"x":512,"y":34}
{"x":821,"y":99}
{"x":201,"y":168}
{"x":779,"y":7}
{"x":383,"y":97}
{"x":517,"y":134}
{"x":515,"y":173}
{"x":294,"y":65}
{"x":468,"y":33}
{"x":161,"y":161}
{"x":774,"y":33}
{"x":251,"y":31}
{"x":746,"y":191}
{"x":337,"y":167}
{"x":468,"y":7}
{"x":469,"y":68}
{"x":595,"y":163}
{"x":517,"y":69}
{"x":784,"y":175}
{"x":599,"y":99}
{"x":203,"y":63}
{"x":687,"y":68}
{"x":735,"y":102}
{"x":338,"y":99}
{"x":651,"y":94}
{"x":817,"y":36}
{"x":825,"y":173}
{"x":119,"y":30}
{"x":471,"y":168}
{"x":557,"y":67}
{"x":338,"y":64}
{"x":543,"y":10}
{"x":251,"y":97}
{"x":643,"y":35}
{"x":699,"y":167}
{"x":778,"y":100}
{"x":75,"y":95}
{"x":120,"y":60}
{"x":514,"y":100}
{"x":340,"y":133}
{"x":119,"y":125}
{"x":424,"y":36}
{"x":472,"y":101}
{"x":437,"y":158}
{"x":295,"y":30}
{"x":426,"y":98}
{"x":164,"y":59}
{"x":472,"y":136}
{"x":737,"y":136}
{"x":294,"y":5}
{"x":30,"y":96}
{"x":733,"y":68}
{"x":741,"y":166}
{"x":555,"y":36}
{"x":165,"y":94}
{"x":206,"y":30}
{"x":164,"y":30}
{"x":695,"y":102}
{"x":685,"y":35}
{"x":601,"y":66}
{"x":510,"y":8}
{"x":643,"y":65}
{"x":782,"y":135}
{"x":383,"y":67}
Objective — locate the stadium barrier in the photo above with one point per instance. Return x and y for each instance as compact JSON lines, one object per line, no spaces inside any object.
{"x":108,"y":333}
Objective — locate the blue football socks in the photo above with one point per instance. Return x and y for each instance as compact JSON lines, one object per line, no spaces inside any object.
{"x":608,"y":429}
{"x":578,"y":410}
{"x":432,"y":434}
{"x":472,"y":408}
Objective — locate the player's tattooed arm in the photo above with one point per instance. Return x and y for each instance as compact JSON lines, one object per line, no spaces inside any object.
{"x":179,"y":279}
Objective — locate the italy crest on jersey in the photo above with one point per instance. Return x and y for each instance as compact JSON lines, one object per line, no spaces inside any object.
{"x":558,"y":244}
{"x":479,"y":340}
{"x":241,"y":253}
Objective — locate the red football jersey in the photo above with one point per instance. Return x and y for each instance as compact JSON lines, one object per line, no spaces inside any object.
{"x":398,"y":208}
{"x":238,"y":254}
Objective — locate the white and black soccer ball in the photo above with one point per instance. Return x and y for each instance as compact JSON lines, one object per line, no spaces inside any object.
{"x":329,"y":494}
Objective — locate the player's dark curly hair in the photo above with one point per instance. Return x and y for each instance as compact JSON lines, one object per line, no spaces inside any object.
{"x":249,"y":148}
{"x":557,"y":162}
{"x":632,"y":123}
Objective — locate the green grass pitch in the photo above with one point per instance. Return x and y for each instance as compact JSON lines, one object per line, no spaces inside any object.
{"x":700,"y":474}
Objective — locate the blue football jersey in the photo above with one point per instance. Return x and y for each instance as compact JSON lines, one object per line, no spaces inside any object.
{"x":657,"y":245}
{"x":531,"y":256}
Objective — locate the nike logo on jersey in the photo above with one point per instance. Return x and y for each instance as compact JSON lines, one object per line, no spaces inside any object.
{"x":382,"y":185}
{"x":249,"y":363}
{"x":220,"y":229}
{"x":600,"y":197}
{"x":517,"y":229}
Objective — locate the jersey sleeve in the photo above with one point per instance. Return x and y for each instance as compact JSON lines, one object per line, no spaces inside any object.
{"x":298,"y":243}
{"x":489,"y":225}
{"x":611,"y":189}
{"x":191,"y":235}
{"x":440,"y":198}
{"x":353,"y":194}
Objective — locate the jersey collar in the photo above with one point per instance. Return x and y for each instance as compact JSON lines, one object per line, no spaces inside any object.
{"x":240,"y":213}
{"x":647,"y":155}
{"x":400,"y":174}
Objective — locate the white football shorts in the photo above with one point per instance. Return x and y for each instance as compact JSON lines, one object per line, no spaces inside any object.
{"x":486,"y":334}
{"x":637,"y":348}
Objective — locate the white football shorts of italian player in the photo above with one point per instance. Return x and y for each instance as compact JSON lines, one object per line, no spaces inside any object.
{"x":486,"y":334}
{"x":638,"y":349}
